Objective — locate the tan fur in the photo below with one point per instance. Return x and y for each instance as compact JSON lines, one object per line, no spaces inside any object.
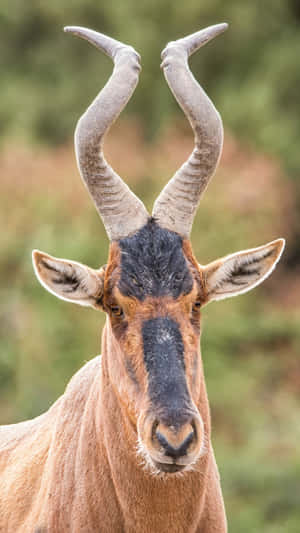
{"x":76,"y":468}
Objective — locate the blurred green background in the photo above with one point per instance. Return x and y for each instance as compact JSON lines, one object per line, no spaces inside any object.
{"x":250,"y":344}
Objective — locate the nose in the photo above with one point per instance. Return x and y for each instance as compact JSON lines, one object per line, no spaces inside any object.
{"x":175,"y":442}
{"x":172,"y":443}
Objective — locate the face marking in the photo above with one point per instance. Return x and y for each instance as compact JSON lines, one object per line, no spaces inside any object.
{"x":153,"y":264}
{"x":164,"y":360}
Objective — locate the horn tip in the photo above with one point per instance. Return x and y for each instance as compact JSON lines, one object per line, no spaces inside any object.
{"x":223,"y":26}
{"x":80,"y":31}
{"x":216,"y":29}
{"x":71,"y":29}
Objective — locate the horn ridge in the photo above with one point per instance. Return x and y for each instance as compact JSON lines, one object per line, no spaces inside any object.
{"x":176,"y":205}
{"x":121,"y":211}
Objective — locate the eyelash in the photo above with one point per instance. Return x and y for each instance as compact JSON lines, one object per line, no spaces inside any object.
{"x":196,"y":306}
{"x":116,"y":310}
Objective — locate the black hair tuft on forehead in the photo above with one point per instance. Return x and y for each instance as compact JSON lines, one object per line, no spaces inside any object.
{"x":153,"y":264}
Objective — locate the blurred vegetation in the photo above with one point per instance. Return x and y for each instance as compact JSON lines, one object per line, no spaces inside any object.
{"x":250,"y":344}
{"x":251,"y":72}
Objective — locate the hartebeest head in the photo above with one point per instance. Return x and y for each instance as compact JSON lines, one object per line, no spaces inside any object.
{"x":152,"y":287}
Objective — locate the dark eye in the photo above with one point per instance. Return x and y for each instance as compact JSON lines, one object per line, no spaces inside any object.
{"x":116,"y":310}
{"x":196,"y":305}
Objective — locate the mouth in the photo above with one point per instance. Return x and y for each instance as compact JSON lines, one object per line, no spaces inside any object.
{"x":169,"y":468}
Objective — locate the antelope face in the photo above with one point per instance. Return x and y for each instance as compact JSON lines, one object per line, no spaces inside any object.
{"x":152,"y":290}
{"x":153,"y":294}
{"x":152,"y":287}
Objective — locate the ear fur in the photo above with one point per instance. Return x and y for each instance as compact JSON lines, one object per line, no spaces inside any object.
{"x":69,"y":280}
{"x":240,"y":272}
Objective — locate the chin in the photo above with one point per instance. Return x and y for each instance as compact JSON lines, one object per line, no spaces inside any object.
{"x":157,"y":466}
{"x":169,"y":468}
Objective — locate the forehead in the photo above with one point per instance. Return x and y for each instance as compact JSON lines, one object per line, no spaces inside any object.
{"x":153,"y":264}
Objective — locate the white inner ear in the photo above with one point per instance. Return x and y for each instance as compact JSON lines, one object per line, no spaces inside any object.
{"x":242,"y":271}
{"x":69,"y":280}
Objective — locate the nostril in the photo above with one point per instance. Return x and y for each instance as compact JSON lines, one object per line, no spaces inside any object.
{"x":176,"y":448}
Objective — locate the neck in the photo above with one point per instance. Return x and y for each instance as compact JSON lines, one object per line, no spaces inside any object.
{"x":179,"y":499}
{"x":102,"y":483}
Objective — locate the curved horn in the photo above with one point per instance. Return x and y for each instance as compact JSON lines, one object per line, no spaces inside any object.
{"x":175,"y":207}
{"x":121,"y":211}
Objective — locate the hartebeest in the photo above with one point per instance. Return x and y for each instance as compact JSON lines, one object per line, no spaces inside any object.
{"x":127,"y":447}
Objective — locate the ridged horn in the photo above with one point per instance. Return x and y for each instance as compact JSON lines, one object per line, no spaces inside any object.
{"x":176,"y":205}
{"x":121,"y":211}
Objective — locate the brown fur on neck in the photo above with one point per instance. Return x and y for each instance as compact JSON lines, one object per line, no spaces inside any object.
{"x":91,"y":449}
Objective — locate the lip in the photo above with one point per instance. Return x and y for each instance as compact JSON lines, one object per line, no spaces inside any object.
{"x":169,"y":468}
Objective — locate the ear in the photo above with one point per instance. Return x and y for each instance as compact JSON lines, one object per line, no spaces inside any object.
{"x":240,"y":272}
{"x":69,"y":280}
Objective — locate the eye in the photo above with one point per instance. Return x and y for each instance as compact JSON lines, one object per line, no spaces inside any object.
{"x":196,"y":305}
{"x":116,"y":310}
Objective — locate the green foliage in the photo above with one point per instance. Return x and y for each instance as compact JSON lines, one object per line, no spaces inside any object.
{"x":251,"y":72}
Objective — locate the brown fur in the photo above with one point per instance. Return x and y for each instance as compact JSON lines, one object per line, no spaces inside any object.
{"x":76,"y":467}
